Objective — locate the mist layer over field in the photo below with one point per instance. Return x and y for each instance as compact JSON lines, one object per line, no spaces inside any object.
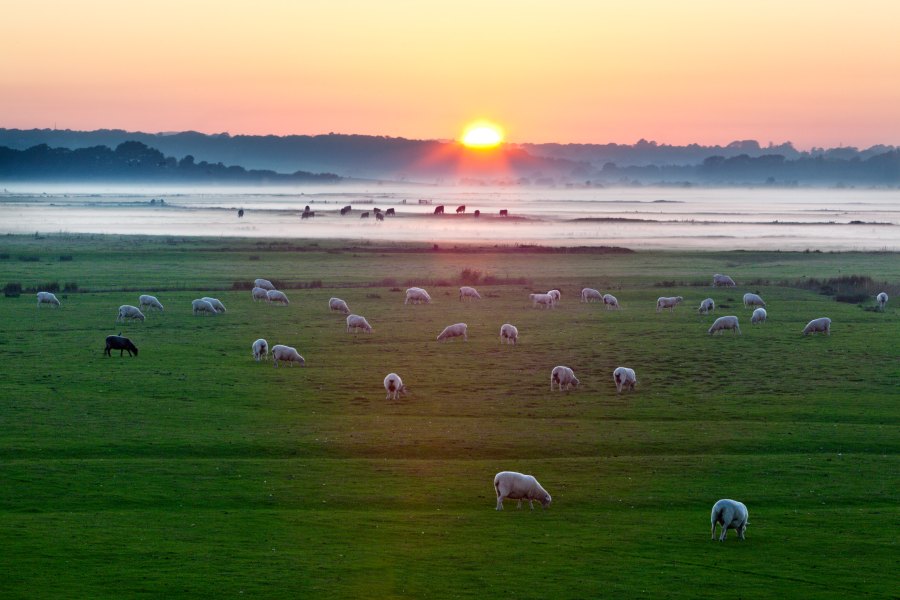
{"x":713,"y":219}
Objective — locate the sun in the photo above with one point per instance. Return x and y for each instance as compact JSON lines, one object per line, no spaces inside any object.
{"x":482,"y":135}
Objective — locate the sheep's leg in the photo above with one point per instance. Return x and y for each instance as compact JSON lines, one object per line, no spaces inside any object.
{"x":519,"y":504}
{"x":741,"y":530}
{"x":712,"y":530}
{"x":531,"y":503}
{"x":499,"y":502}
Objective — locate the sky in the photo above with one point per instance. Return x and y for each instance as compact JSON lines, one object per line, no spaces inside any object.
{"x":816,"y":73}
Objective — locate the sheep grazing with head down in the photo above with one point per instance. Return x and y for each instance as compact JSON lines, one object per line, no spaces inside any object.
{"x":610,"y":302}
{"x":288,"y":355}
{"x":563,"y":377}
{"x":759,"y":316}
{"x":591,"y":295}
{"x":148,"y":303}
{"x":260,"y":349}
{"x":122,"y":344}
{"x":542,"y":300}
{"x":47,"y":298}
{"x":356,"y":323}
{"x":468,"y":293}
{"x":518,"y":486}
{"x":670,"y":302}
{"x":707,"y":306}
{"x":220,"y":308}
{"x":394,"y":387}
{"x":624,"y":378}
{"x":416,"y":295}
{"x":725,"y":323}
{"x":452,"y":331}
{"x":509,"y":334}
{"x":729,"y":514}
{"x":723,"y":281}
{"x":557,"y":296}
{"x":881,"y":299}
{"x":338,"y":305}
{"x":276,"y":297}
{"x":751,"y":300}
{"x":820,"y":325}
{"x":259,"y":293}
{"x":129,"y":312}
{"x":263,"y":283}
{"x":200,"y":306}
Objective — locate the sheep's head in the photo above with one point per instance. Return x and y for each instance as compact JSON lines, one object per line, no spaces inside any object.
{"x":545,"y":500}
{"x":575,"y":382}
{"x":404,"y":390}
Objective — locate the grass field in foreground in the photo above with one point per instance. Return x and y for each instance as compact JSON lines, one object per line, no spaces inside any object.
{"x":192,"y":470}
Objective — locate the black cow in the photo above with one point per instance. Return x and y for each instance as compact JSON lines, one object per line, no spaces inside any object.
{"x":240,"y":213}
{"x":345,"y":210}
{"x":117,"y":342}
{"x":461,"y":209}
{"x":307,"y":214}
{"x":365,"y":215}
{"x":379,"y":217}
{"x":390,"y":212}
{"x":439,"y":210}
{"x":377,"y":210}
{"x":504,"y":212}
{"x":477,"y":213}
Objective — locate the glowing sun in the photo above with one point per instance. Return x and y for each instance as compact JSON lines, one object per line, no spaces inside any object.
{"x":482,"y":135}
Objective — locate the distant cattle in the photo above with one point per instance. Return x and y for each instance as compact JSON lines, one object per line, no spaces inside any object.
{"x":376,"y":210}
{"x":439,"y":210}
{"x":461,"y":209}
{"x":379,"y":217}
{"x":504,"y":212}
{"x":345,"y":210}
{"x":307,"y":214}
{"x":365,"y":215}
{"x":477,"y":213}
{"x":240,"y":213}
{"x":390,"y":212}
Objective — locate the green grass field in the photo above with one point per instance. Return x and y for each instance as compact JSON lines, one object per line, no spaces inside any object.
{"x":193,"y":471}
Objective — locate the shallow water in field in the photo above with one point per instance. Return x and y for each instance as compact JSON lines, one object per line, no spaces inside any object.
{"x":720,"y":219}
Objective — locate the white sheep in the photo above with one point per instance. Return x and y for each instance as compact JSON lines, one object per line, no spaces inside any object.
{"x":563,"y":377}
{"x":215,"y":303}
{"x":723,"y":323}
{"x":759,"y":316}
{"x":264,"y":284}
{"x":150,"y":302}
{"x":260,"y":349}
{"x":820,"y":325}
{"x":47,"y":298}
{"x":590,"y":295}
{"x":723,"y":281}
{"x":542,"y":300}
{"x":394,"y":387}
{"x":706,"y":306}
{"x":338,"y":305}
{"x":259,"y":293}
{"x":557,"y":296}
{"x":356,"y":322}
{"x":751,"y":300}
{"x":729,"y":514}
{"x":881,"y":299}
{"x":670,"y":302}
{"x":277,"y":297}
{"x":417,"y":295}
{"x":202,"y":306}
{"x":517,"y":486}
{"x":452,"y":331}
{"x":127,"y":311}
{"x":468,"y":293}
{"x":624,"y":378}
{"x":288,"y":355}
{"x":509,"y":334}
{"x":610,"y":302}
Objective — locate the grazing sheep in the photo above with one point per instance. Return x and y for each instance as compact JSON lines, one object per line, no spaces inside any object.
{"x":356,"y":322}
{"x":394,"y":387}
{"x":202,"y":306}
{"x":610,"y":302}
{"x":288,"y":355}
{"x":122,"y":344}
{"x":277,"y":297}
{"x":516,"y":486}
{"x":723,"y":281}
{"x":729,"y":514}
{"x":263,"y":283}
{"x":557,"y":296}
{"x":624,"y":378}
{"x":216,"y":304}
{"x":881,"y":299}
{"x":260,"y":349}
{"x":706,"y":306}
{"x":468,"y":293}
{"x":751,"y":300}
{"x":47,"y":298}
{"x":127,"y":311}
{"x":723,"y":323}
{"x":542,"y":300}
{"x":509,"y":334}
{"x":150,"y":302}
{"x":417,"y":295}
{"x":590,"y":295}
{"x":670,"y":302}
{"x":759,"y":316}
{"x":452,"y":331}
{"x":563,"y":377}
{"x":820,"y":325}
{"x":259,"y":293}
{"x":338,"y":305}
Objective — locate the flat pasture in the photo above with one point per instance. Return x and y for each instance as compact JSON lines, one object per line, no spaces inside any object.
{"x":193,"y":471}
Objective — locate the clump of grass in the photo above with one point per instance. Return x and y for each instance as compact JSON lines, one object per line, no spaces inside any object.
{"x":65,"y":257}
{"x":254,"y":257}
{"x":4,"y":256}
{"x":470,"y":276}
{"x":70,"y":286}
{"x":373,"y":296}
{"x":51,"y":286}
{"x":12,"y":289}
{"x":29,"y":258}
{"x":396,"y":289}
{"x":851,"y":298}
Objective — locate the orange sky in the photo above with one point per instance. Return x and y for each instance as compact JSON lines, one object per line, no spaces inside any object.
{"x":817,"y":73}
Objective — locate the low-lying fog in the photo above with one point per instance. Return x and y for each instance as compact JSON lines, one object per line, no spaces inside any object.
{"x":636,"y":218}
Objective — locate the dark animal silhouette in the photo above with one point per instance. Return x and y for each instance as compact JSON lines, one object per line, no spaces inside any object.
{"x":477,"y":213}
{"x":345,"y":210}
{"x":240,"y":213}
{"x":365,"y":215}
{"x":306,"y":208}
{"x":117,"y":342}
{"x":379,"y":217}
{"x":307,"y":214}
{"x":504,"y":212}
{"x":461,"y":209}
{"x":390,"y":212}
{"x":439,"y":210}
{"x":377,"y":210}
